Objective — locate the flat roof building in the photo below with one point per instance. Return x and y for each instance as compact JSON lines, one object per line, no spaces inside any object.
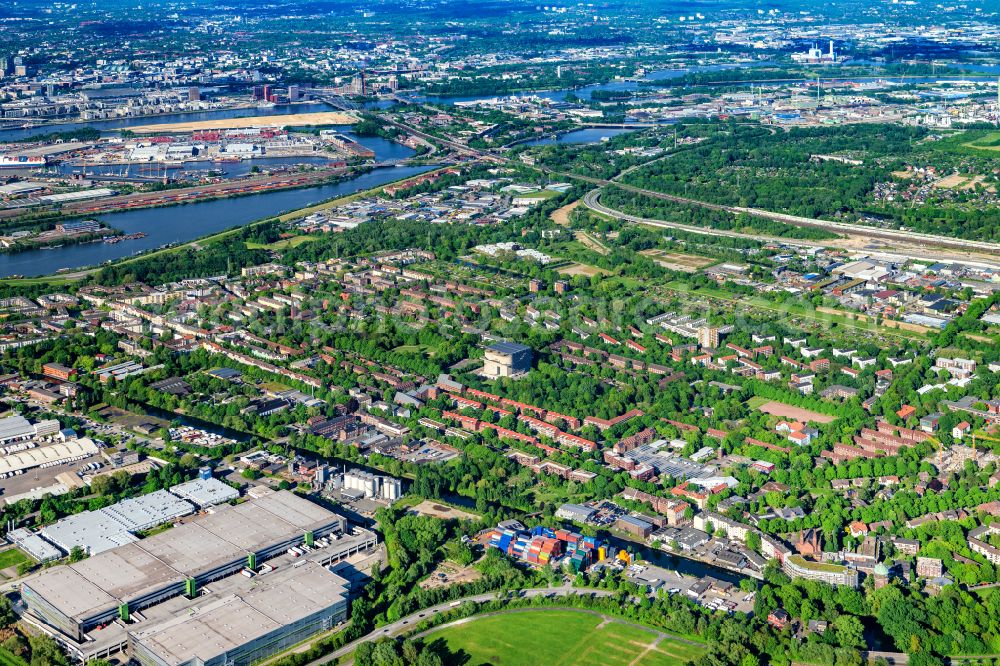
{"x":506,"y":359}
{"x":15,"y":428}
{"x":80,"y":596}
{"x":35,"y":546}
{"x":273,"y":612}
{"x":206,"y":492}
{"x":113,"y":526}
{"x":75,"y":449}
{"x":576,"y":512}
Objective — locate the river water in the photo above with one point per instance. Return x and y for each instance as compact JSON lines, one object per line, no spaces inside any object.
{"x":184,"y":223}
{"x":176,"y":224}
{"x":591,"y":135}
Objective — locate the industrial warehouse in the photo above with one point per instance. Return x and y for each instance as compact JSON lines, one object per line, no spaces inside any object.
{"x":178,"y":597}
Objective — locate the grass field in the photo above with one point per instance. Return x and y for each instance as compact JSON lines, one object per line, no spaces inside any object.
{"x":9,"y":659}
{"x":423,"y":350}
{"x":11,"y":558}
{"x":987,"y":141}
{"x":561,"y":638}
{"x":284,"y":244}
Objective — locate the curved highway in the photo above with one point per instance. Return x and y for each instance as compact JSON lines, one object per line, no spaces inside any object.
{"x":592,"y":201}
{"x":912,"y":237}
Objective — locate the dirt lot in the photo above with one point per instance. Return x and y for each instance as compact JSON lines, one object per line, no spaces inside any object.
{"x":429,"y":508}
{"x":796,"y":413}
{"x":959,"y":181}
{"x":678,"y":261}
{"x":561,"y":215}
{"x":591,"y":243}
{"x":449,"y":573}
{"x":581,"y":269}
{"x":130,"y":420}
{"x":287,"y":120}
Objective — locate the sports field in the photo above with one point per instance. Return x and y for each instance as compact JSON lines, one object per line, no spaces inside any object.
{"x":561,"y":638}
{"x":788,"y":411}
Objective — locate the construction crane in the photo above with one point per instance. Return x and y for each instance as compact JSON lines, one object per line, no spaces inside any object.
{"x":982,"y":435}
{"x":940,"y":447}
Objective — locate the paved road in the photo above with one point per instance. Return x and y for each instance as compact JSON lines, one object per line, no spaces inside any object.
{"x":406,"y":623}
{"x":926,"y":251}
{"x":592,"y":200}
{"x":919,"y":239}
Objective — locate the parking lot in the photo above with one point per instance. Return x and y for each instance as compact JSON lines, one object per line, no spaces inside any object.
{"x":39,"y":477}
{"x":710,"y":592}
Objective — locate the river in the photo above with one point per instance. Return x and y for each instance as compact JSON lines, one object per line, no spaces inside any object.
{"x":176,"y":224}
{"x":590,"y":135}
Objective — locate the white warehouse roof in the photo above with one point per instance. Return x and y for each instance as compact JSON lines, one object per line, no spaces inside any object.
{"x":57,"y":453}
{"x":205,"y":492}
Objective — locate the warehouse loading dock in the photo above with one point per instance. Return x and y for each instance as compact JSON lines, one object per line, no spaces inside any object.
{"x":82,"y":603}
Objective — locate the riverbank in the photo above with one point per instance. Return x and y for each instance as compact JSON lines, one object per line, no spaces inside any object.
{"x":157,"y":221}
{"x":185,"y":196}
{"x":105,"y":235}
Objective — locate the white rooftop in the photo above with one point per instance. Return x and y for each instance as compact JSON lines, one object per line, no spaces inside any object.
{"x":57,"y":453}
{"x":205,"y":492}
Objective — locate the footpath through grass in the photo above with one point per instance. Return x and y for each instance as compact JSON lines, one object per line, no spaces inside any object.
{"x":561,"y":638}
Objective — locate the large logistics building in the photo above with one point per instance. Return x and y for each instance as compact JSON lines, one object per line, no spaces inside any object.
{"x":275,"y":612}
{"x":95,"y":604}
{"x":17,"y":429}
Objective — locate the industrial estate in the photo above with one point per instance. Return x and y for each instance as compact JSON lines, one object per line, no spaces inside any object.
{"x":435,"y":333}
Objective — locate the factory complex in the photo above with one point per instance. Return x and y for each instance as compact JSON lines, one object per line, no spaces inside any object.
{"x":94,"y":532}
{"x":230,"y":585}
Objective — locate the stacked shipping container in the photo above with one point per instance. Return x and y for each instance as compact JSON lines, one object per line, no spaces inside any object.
{"x":542,"y":546}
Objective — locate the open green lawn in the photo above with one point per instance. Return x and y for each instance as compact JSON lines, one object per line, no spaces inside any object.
{"x":540,"y":194}
{"x":424,"y":350}
{"x":561,"y":638}
{"x":11,"y":558}
{"x":284,"y":244}
{"x":9,"y":659}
